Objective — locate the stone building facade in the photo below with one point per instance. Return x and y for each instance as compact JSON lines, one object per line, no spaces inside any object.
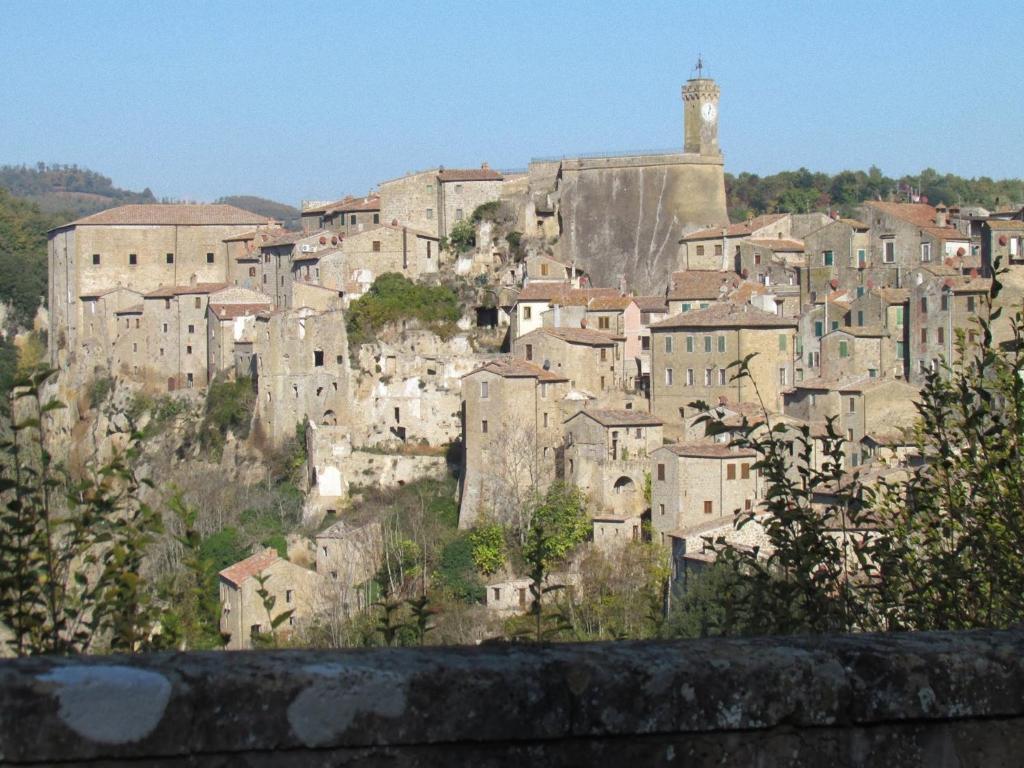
{"x":590,"y":360}
{"x":606,"y":456}
{"x":512,"y":414}
{"x":691,"y":355}
{"x":696,"y":483}
{"x":141,"y":247}
{"x":301,"y":371}
{"x":434,"y":201}
{"x":243,"y":615}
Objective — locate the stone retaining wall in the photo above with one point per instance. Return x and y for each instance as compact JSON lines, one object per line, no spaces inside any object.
{"x":930,"y":699}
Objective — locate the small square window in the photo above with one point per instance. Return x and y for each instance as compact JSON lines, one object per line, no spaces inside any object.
{"x":661,"y":471}
{"x":209,"y":258}
{"x":484,"y":390}
{"x":376,"y":246}
{"x":133,"y":259}
{"x":95,"y":259}
{"x":483,"y":426}
{"x":170,"y":258}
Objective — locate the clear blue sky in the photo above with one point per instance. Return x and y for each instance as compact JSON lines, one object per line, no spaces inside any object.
{"x":297,"y":100}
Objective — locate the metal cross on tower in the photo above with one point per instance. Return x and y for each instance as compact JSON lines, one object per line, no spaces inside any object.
{"x":700,"y":66}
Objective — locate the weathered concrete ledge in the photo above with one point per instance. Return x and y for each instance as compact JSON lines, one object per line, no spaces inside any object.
{"x":929,"y":699}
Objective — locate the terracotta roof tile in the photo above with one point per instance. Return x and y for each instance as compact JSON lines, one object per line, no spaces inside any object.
{"x":608,"y":303}
{"x":651,"y":303}
{"x":1005,"y":226}
{"x":560,"y":293}
{"x":701,"y":284}
{"x":726,"y":315}
{"x":352,"y":205}
{"x":586,"y":336}
{"x":469,"y":174}
{"x":741,"y":229}
{"x":232,"y":311}
{"x":920,"y":215}
{"x":514,"y":368}
{"x":244,"y":569}
{"x":169,"y":291}
{"x":619,"y":418}
{"x":709,"y":450}
{"x":173,"y":214}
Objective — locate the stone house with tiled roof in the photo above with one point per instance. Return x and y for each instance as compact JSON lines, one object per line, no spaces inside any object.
{"x":859,"y":405}
{"x":905,"y":236}
{"x":352,"y":215}
{"x":699,"y":288}
{"x":175,"y":355}
{"x":717,"y":248}
{"x":591,"y":360}
{"x":840,"y":251}
{"x":436,"y":200}
{"x":512,"y":415}
{"x":606,"y":457}
{"x":888,"y":309}
{"x":231,"y":330}
{"x":691,"y":355}
{"x":567,"y":305}
{"x":771,"y":261}
{"x":943,"y":304}
{"x":697,"y":483}
{"x":243,"y":615}
{"x":139,"y":247}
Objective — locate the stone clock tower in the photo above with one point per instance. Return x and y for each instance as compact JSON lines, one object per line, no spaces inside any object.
{"x":700,"y":115}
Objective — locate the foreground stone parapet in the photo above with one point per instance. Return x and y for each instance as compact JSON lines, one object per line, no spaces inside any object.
{"x":928,"y":699}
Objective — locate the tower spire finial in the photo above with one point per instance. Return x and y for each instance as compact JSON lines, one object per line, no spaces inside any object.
{"x":700,"y":66}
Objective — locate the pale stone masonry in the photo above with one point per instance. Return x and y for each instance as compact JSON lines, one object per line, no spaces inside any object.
{"x":301,"y":371}
{"x":243,"y":614}
{"x":606,"y":456}
{"x":512,"y":414}
{"x":140,"y":247}
{"x":699,"y":483}
{"x":691,"y":355}
{"x":436,"y":200}
{"x":590,"y":360}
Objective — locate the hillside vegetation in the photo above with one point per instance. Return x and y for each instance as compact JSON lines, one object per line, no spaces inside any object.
{"x":804,"y":191}
{"x":286,"y":214}
{"x":67,"y":189}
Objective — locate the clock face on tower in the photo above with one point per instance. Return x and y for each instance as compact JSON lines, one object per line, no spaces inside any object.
{"x":708,"y":112}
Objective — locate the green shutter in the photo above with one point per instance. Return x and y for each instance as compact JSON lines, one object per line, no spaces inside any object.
{"x":782,"y":342}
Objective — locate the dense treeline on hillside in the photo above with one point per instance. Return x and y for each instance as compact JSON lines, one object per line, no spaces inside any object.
{"x":68,"y":189}
{"x":23,"y":256}
{"x":286,"y":214}
{"x":804,"y":191}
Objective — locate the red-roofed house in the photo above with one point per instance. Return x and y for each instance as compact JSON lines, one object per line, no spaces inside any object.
{"x":243,"y":615}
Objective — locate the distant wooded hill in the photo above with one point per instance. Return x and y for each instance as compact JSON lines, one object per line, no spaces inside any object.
{"x":286,"y":214}
{"x":803,"y":191}
{"x":67,"y":189}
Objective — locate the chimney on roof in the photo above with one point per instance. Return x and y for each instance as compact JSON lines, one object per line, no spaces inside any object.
{"x":622,"y":285}
{"x":485,"y":166}
{"x":941,"y":213}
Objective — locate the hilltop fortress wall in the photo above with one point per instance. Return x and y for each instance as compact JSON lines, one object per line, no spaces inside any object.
{"x":622,"y":217}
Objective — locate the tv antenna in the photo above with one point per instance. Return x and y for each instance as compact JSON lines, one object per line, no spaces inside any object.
{"x":699,"y":69}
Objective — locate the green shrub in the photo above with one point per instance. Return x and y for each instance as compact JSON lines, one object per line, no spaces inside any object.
{"x":229,"y":406}
{"x":487,"y":211}
{"x":456,"y":571}
{"x":394,"y":298}
{"x":488,"y":542}
{"x":99,"y":390}
{"x":462,"y":238}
